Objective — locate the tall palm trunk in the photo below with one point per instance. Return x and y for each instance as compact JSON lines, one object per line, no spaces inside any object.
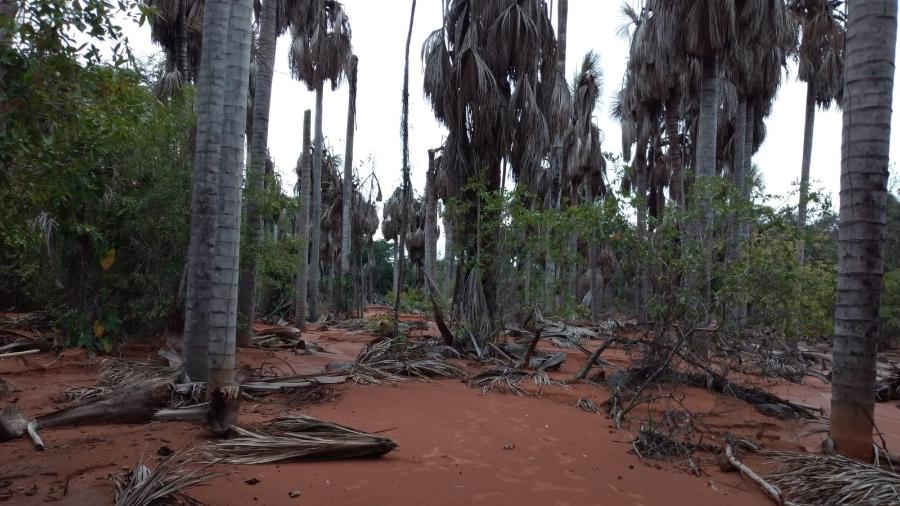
{"x":303,"y":173}
{"x":804,"y":167}
{"x":262,"y":99}
{"x":430,"y":216}
{"x":404,"y":135}
{"x":396,"y":279}
{"x":315,"y":217}
{"x":596,"y":300}
{"x":201,"y":275}
{"x":448,"y":257}
{"x":556,"y":158}
{"x":738,"y":177}
{"x":676,"y":165}
{"x":211,"y":305}
{"x":706,"y":169}
{"x":640,"y":169}
{"x":868,"y":92}
{"x":347,"y":197}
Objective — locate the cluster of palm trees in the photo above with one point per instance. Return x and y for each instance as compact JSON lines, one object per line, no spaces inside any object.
{"x":700,"y":81}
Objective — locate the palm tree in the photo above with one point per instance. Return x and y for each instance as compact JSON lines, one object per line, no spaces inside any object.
{"x":406,"y":195}
{"x":821,"y":66}
{"x":259,"y":138}
{"x":431,"y":198}
{"x":490,"y":75}
{"x":584,"y":161}
{"x":346,"y":222}
{"x":176,"y":27}
{"x":869,"y":86}
{"x":211,"y":302}
{"x":304,"y":167}
{"x":320,"y":51}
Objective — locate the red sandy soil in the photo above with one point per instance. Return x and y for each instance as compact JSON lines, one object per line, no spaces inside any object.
{"x":456,"y":445}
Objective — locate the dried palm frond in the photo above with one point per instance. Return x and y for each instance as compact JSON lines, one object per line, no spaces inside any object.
{"x":888,"y":389}
{"x":313,"y":394}
{"x":396,"y":359}
{"x":587,"y":405}
{"x":164,"y":485}
{"x":508,"y":379}
{"x":830,"y":480}
{"x":116,"y":372}
{"x":297,"y":438}
{"x":75,"y":394}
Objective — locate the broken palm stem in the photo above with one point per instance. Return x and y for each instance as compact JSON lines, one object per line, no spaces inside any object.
{"x":437,"y":303}
{"x":770,"y":490}
{"x":593,"y":358}
{"x":531,"y":346}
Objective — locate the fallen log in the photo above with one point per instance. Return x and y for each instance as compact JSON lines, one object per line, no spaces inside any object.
{"x":593,"y":358}
{"x":130,"y":404}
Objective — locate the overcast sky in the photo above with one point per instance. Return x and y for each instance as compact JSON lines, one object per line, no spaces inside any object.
{"x":379,"y":35}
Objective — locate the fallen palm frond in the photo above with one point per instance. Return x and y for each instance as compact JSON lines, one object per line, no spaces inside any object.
{"x":164,"y":485}
{"x":831,"y":480}
{"x":76,"y":394}
{"x":766,"y":403}
{"x":558,"y":333}
{"x":299,"y":437}
{"x":116,"y":373}
{"x":396,"y":359}
{"x":587,"y":405}
{"x":509,"y":379}
{"x":888,"y":389}
{"x":313,"y":394}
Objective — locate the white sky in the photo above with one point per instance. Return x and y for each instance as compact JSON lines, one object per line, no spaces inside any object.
{"x":379,"y":35}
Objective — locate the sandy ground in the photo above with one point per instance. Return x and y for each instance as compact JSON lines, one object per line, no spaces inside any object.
{"x":456,"y":445}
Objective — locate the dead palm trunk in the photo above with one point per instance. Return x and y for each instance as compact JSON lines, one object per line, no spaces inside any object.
{"x":640,"y":172}
{"x":739,"y":180}
{"x":869,"y":85}
{"x":404,"y":134}
{"x":303,"y":173}
{"x":804,"y":167}
{"x":448,"y":257}
{"x":347,"y":197}
{"x":262,"y":100}
{"x":315,"y":217}
{"x":592,"y":259}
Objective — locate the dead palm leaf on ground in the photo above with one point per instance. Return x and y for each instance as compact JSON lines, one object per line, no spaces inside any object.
{"x":509,"y":379}
{"x":297,"y":438}
{"x":831,"y":480}
{"x":396,"y":359}
{"x":164,"y":485}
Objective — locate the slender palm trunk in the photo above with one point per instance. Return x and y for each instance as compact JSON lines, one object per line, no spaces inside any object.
{"x":448,"y":257}
{"x":404,"y":135}
{"x":347,"y":197}
{"x":676,"y":167}
{"x":596,"y":300}
{"x":201,"y":275}
{"x":396,"y":288}
{"x":315,"y":217}
{"x":706,"y":169}
{"x":868,"y":93}
{"x":556,"y":158}
{"x":804,"y":167}
{"x":183,"y":65}
{"x":430,"y":216}
{"x":738,"y":177}
{"x":749,"y":149}
{"x":303,"y":172}
{"x":265,"y":70}
{"x":640,"y":170}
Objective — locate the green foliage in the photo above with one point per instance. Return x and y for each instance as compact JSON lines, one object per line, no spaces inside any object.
{"x":96,"y":192}
{"x":412,"y":300}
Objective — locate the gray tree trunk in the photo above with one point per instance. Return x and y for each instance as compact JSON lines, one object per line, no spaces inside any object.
{"x":221,"y":387}
{"x":448,"y":257}
{"x":556,"y":158}
{"x":265,"y":69}
{"x":596,"y":286}
{"x":430,"y":216}
{"x":676,"y":165}
{"x":315,"y":217}
{"x":804,"y":168}
{"x":404,"y":136}
{"x":205,"y":196}
{"x":708,"y":120}
{"x":738,"y":309}
{"x":640,"y":172}
{"x":868,"y":93}
{"x":303,"y":173}
{"x":347,"y":197}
